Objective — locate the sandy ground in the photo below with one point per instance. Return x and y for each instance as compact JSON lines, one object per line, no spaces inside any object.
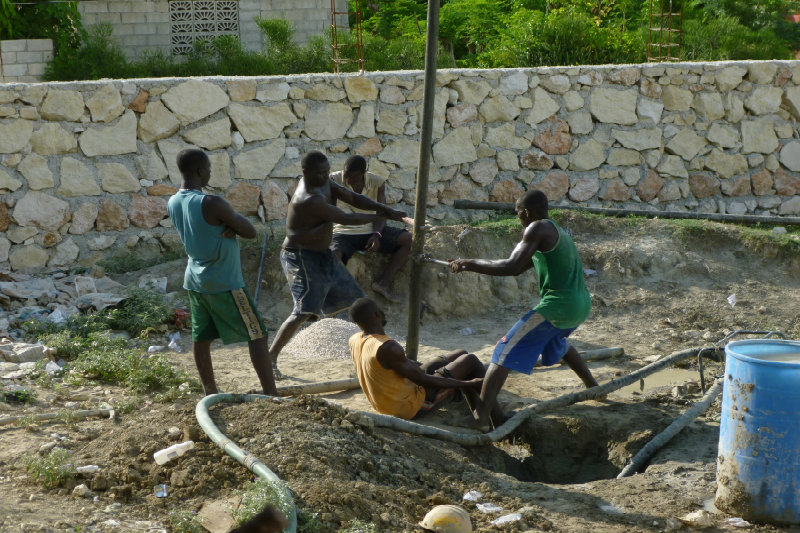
{"x":654,"y":293}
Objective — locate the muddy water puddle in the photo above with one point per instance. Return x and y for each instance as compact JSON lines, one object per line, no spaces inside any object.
{"x":669,"y":377}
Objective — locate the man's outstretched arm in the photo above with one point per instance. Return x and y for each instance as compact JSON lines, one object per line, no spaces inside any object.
{"x":518,"y":262}
{"x":362,"y":202}
{"x":392,"y":356}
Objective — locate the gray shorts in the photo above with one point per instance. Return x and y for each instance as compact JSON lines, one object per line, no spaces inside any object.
{"x":319,"y":282}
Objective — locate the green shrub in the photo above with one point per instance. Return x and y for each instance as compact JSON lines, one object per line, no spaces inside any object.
{"x":142,"y":311}
{"x":17,"y":395}
{"x":98,"y":56}
{"x":130,"y":261}
{"x":39,"y":19}
{"x":726,"y":38}
{"x":51,"y":470}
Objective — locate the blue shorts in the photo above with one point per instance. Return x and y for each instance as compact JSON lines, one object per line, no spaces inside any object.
{"x":530,"y":337}
{"x":319,"y":282}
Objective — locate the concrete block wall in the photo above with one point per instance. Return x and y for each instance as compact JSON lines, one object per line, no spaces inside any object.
{"x":138,"y":25}
{"x":24,"y":59}
{"x":142,"y":25}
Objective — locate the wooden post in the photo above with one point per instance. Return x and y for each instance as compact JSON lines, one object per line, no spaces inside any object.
{"x":423,"y":166}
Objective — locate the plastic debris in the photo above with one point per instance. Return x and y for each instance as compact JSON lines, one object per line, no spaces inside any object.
{"x":737,"y":522}
{"x":732,"y":300}
{"x":88,"y":469}
{"x":467,"y":331}
{"x":700,"y":518}
{"x":610,"y":509}
{"x":176,"y":450}
{"x":173,"y":342}
{"x":472,"y":496}
{"x":589,"y":272}
{"x":81,"y":491}
{"x":154,"y":284}
{"x":506,"y":519}
{"x":154,"y":349}
{"x":489,"y":507}
{"x":160,"y":490}
{"x":54,"y":368}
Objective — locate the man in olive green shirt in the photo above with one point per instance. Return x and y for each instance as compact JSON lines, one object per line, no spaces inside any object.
{"x":564,"y":306}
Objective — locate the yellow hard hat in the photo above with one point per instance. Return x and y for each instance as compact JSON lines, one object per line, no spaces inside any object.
{"x":447,"y":519}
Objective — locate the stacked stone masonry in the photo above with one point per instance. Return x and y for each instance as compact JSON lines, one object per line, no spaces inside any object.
{"x":87,"y":167}
{"x":24,"y":59}
{"x":172,"y":25}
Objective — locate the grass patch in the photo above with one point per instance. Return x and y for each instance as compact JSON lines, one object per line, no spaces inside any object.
{"x":259,"y":494}
{"x":184,"y":522}
{"x":113,"y":361}
{"x":143,"y":310}
{"x":85,"y":342}
{"x":28,"y":423}
{"x":18,"y":396}
{"x":130,"y":261}
{"x":359,"y":526}
{"x":51,"y":470}
{"x":500,"y":225}
{"x":308,"y":522}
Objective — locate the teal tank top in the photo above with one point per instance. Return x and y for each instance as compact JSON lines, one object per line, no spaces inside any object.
{"x":214,"y":264}
{"x":566,"y":302}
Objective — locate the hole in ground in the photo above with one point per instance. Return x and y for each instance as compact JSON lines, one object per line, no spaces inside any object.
{"x":579,"y":444}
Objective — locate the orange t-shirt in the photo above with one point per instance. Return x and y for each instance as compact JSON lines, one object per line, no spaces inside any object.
{"x":387,"y":391}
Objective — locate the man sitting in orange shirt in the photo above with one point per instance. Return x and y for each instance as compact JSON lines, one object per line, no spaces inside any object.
{"x":398,"y":386}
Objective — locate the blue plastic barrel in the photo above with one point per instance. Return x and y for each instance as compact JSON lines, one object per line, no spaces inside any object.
{"x":758,"y":465}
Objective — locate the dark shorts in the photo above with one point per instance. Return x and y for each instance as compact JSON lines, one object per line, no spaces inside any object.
{"x":350,"y":244}
{"x":319,"y":282}
{"x":231,"y":316}
{"x":530,"y":337}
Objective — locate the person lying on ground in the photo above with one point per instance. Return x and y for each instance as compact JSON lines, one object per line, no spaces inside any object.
{"x":221,"y":305}
{"x":565,"y":303}
{"x":398,"y":386}
{"x":269,"y":520}
{"x":375,"y":237}
{"x":320,"y":284}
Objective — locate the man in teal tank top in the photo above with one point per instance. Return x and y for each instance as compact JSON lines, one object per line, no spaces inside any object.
{"x":564,"y":306}
{"x":221,"y":306}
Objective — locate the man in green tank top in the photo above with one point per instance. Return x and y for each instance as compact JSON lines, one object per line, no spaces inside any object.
{"x":221,"y":306}
{"x":565,"y":302}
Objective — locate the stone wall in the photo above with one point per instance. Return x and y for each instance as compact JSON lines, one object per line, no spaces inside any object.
{"x":24,"y":60}
{"x":172,"y":25}
{"x":87,"y":167}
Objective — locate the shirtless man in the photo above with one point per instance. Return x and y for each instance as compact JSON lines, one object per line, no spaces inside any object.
{"x":319,"y":281}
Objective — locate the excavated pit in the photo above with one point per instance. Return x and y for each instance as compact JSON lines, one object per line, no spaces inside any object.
{"x":579,"y":444}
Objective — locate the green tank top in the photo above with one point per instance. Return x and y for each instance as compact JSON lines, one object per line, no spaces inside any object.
{"x":565,"y":301}
{"x":214,"y":264}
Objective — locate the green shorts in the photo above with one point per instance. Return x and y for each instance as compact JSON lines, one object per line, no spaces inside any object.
{"x":230,"y":316}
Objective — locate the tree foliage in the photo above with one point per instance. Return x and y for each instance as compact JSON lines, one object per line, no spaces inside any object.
{"x":41,"y":19}
{"x":524,"y":33}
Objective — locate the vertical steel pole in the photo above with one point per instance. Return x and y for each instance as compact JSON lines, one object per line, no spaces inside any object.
{"x":423,"y":166}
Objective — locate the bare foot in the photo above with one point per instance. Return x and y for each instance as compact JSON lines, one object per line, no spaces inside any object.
{"x":385,"y":292}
